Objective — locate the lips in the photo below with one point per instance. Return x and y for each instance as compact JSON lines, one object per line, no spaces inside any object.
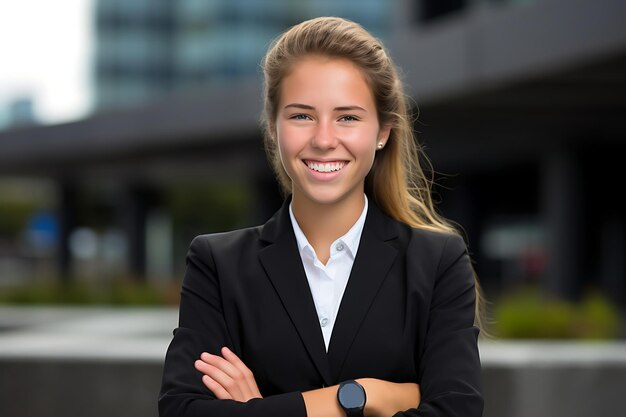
{"x":324,"y":167}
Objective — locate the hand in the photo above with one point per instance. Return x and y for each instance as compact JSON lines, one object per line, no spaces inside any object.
{"x":384,"y":398}
{"x":227,"y":377}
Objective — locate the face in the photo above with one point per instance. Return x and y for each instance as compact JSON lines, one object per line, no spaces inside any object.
{"x":327,"y":130}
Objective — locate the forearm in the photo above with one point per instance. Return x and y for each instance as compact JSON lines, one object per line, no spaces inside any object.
{"x":384,"y":399}
{"x":322,"y":403}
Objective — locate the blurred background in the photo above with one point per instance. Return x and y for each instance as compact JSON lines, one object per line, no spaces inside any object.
{"x":129,"y":127}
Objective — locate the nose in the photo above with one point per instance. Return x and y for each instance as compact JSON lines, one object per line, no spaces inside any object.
{"x":324,"y":136}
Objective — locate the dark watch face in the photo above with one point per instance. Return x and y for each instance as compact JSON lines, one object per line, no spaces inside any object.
{"x":351,"y":396}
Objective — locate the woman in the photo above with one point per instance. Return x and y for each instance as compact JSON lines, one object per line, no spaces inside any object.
{"x":356,"y":298}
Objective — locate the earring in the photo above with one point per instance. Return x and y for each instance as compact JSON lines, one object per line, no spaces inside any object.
{"x":380,"y":146}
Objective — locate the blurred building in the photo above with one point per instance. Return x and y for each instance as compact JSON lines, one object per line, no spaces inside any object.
{"x":21,"y":112}
{"x":134,"y":46}
{"x":520,"y":108}
{"x":146,"y":49}
{"x":17,"y":112}
{"x":223,"y":41}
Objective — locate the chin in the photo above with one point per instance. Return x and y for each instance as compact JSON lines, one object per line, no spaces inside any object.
{"x":328,"y":197}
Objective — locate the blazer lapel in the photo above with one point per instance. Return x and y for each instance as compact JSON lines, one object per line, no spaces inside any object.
{"x":283,"y":266}
{"x":371,"y":265}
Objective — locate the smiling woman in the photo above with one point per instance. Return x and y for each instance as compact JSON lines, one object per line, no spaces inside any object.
{"x":356,"y":298}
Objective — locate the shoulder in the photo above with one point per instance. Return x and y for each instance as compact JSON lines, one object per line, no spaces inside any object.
{"x":440,"y":262}
{"x":438,"y":249}
{"x":422,"y":245}
{"x":438,"y":241}
{"x":234,"y":240}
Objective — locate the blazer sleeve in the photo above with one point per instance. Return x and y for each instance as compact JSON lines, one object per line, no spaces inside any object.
{"x":202,"y":328}
{"x":450,"y":371}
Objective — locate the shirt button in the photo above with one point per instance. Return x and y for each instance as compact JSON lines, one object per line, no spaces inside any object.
{"x":339,"y":246}
{"x":324,"y":322}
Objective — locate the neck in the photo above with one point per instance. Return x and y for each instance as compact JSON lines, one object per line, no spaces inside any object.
{"x":322,"y":224}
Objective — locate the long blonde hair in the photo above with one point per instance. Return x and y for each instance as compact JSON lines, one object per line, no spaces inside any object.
{"x":396,"y":183}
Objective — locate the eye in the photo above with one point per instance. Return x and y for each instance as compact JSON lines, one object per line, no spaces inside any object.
{"x":349,"y":118}
{"x":300,"y":116}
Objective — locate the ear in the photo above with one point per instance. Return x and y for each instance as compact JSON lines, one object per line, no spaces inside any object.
{"x":383,"y":134}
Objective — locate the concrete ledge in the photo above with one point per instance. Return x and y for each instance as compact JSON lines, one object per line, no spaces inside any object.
{"x":98,"y":334}
{"x":70,"y":362}
{"x":550,"y":354}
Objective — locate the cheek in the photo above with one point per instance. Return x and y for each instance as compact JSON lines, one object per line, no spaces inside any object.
{"x":363,"y":143}
{"x":287,"y":146}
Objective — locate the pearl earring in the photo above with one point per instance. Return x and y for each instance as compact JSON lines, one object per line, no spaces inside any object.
{"x":380,"y":145}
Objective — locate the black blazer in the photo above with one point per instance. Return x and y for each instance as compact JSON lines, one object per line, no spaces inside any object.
{"x":406,"y":316}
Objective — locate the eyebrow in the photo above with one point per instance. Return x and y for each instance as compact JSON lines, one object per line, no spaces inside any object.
{"x":307,"y":107}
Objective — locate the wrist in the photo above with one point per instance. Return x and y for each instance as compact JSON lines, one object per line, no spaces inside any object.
{"x":351,"y":397}
{"x":372,"y":405}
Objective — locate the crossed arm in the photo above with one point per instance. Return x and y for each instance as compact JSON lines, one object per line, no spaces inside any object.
{"x":449,"y":366}
{"x":230,"y":379}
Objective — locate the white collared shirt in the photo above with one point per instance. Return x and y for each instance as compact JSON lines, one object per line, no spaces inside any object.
{"x":328,"y":282}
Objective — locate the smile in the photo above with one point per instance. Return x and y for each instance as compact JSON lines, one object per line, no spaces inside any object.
{"x":325,"y":166}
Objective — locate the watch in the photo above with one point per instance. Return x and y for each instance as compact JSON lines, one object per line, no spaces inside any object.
{"x":351,"y":397}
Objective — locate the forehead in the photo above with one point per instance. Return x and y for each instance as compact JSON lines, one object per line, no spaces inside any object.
{"x":326,"y":79}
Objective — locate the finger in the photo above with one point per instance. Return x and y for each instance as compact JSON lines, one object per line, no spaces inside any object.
{"x":232,"y":366}
{"x":204,"y":367}
{"x":210,"y":383}
{"x":221,"y":363}
{"x":212,"y":366}
{"x":216,"y":388}
{"x":248,"y":376}
{"x":233,"y":358}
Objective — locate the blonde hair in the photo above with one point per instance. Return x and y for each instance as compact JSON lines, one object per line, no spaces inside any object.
{"x":396,"y":182}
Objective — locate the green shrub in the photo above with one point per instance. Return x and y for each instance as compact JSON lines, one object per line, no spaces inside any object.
{"x":529,"y":315}
{"x":121,"y":292}
{"x":597,"y":318}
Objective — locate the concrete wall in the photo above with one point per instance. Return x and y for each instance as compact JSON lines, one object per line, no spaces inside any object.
{"x":540,"y":391}
{"x":73,"y":388}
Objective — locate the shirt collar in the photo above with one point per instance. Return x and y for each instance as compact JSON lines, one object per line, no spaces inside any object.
{"x":351,"y":239}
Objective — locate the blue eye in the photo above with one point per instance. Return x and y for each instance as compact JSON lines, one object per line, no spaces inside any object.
{"x":349,"y":119}
{"x":300,"y":117}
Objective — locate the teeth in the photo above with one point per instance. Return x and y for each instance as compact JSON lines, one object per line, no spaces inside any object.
{"x":327,"y":167}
